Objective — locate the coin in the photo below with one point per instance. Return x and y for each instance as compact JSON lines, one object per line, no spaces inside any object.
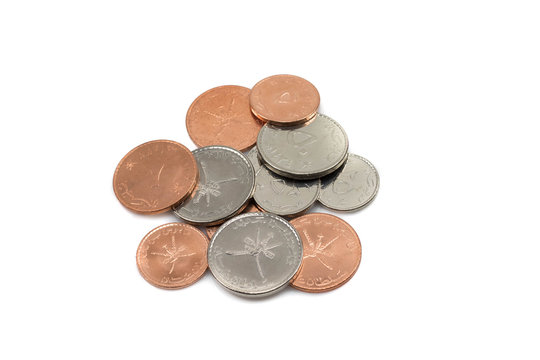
{"x":284,"y":100}
{"x":307,"y":151}
{"x":253,"y":156}
{"x":225,"y":185}
{"x":155,"y":176}
{"x":255,"y":254}
{"x":351,"y":187}
{"x":282,"y":196}
{"x":222,"y":116}
{"x":251,"y":207}
{"x":332,"y":252}
{"x":173,"y":256}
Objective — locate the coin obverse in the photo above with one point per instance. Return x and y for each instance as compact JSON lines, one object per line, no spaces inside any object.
{"x":255,"y":254}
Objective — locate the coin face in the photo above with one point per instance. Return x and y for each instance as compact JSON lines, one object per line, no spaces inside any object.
{"x":284,"y":100}
{"x":173,"y":256}
{"x":253,"y":156}
{"x":332,"y":252}
{"x":226,"y":183}
{"x":282,"y":196}
{"x":351,"y":187}
{"x":251,"y":207}
{"x":222,"y":116}
{"x":155,"y":176}
{"x":307,"y":151}
{"x":255,"y":254}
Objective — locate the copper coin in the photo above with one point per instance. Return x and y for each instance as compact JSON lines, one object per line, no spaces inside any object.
{"x":154,"y":176}
{"x":332,"y":252}
{"x":222,"y":116}
{"x":284,"y":100}
{"x":251,"y":207}
{"x":173,"y":256}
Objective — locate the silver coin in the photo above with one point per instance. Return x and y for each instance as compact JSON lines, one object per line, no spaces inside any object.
{"x":255,"y":254}
{"x":307,"y":151}
{"x":226,"y":183}
{"x":253,"y":156}
{"x":282,"y":196}
{"x":351,"y":187}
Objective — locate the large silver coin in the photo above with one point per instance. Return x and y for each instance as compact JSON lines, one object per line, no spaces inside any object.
{"x":255,"y":254}
{"x":282,"y":196}
{"x":307,"y":151}
{"x":351,"y":187}
{"x":253,"y":156}
{"x":226,"y":183}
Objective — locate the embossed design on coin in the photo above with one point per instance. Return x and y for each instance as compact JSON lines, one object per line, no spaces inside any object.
{"x":282,"y":196}
{"x":172,"y":256}
{"x":251,"y":207}
{"x":155,"y":176}
{"x":222,"y":116}
{"x":226,"y":184}
{"x":284,"y":100}
{"x":351,"y":187}
{"x":253,"y":156}
{"x":255,"y":254}
{"x":307,"y":151}
{"x":332,"y":252}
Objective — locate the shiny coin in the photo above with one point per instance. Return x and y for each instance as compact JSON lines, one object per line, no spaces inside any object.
{"x":255,"y":254}
{"x":226,"y":183}
{"x":282,"y":196}
{"x":155,"y":176}
{"x":251,"y":207}
{"x":284,"y":100}
{"x":332,"y":252}
{"x":306,"y":151}
{"x":173,"y":256}
{"x":253,"y":156}
{"x":351,"y":187}
{"x":222,"y":116}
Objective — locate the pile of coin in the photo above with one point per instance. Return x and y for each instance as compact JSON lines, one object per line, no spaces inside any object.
{"x":254,"y":206}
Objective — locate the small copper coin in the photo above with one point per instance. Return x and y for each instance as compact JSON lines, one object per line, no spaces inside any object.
{"x":173,"y":256}
{"x":284,"y":100}
{"x":154,"y":176}
{"x":222,"y":116}
{"x":332,"y":252}
{"x":251,"y":207}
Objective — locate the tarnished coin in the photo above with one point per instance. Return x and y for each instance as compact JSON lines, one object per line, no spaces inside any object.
{"x":222,"y":116}
{"x":255,"y":254}
{"x":173,"y":256}
{"x":155,"y":176}
{"x":226,"y":183}
{"x":307,"y":151}
{"x":251,"y":207}
{"x":284,"y":100}
{"x":351,"y":187}
{"x":332,"y":252}
{"x":282,"y":196}
{"x":253,"y":156}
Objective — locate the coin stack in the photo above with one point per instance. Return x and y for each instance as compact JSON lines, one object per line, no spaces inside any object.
{"x":253,"y":207}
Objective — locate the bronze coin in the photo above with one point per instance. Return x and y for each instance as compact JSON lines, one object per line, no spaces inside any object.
{"x":222,"y":116}
{"x":251,"y":207}
{"x":173,"y":256}
{"x":284,"y":100}
{"x":332,"y":252}
{"x":154,"y":176}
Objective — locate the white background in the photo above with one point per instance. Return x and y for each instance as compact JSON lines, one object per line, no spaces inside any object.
{"x":442,"y":96}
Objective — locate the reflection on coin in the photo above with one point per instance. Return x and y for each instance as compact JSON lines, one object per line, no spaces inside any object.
{"x":173,"y":256}
{"x":332,"y":252}
{"x":255,"y":254}
{"x":284,"y":100}
{"x":351,"y":187}
{"x":226,"y":183}
{"x":251,"y":207}
{"x":253,"y":156}
{"x":155,"y":176}
{"x":307,"y":151}
{"x":282,"y":196}
{"x":222,"y":116}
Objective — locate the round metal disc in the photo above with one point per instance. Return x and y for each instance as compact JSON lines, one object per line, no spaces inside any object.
{"x":253,"y":156}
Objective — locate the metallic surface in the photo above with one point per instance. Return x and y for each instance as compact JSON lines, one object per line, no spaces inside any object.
{"x":253,"y":156}
{"x":251,"y":207}
{"x":222,"y":116}
{"x":155,"y":176}
{"x":332,"y":252}
{"x":284,"y":100}
{"x":282,"y":196}
{"x":173,"y":256}
{"x":255,"y":254}
{"x":307,"y":151}
{"x":351,"y":187}
{"x":226,"y":183}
